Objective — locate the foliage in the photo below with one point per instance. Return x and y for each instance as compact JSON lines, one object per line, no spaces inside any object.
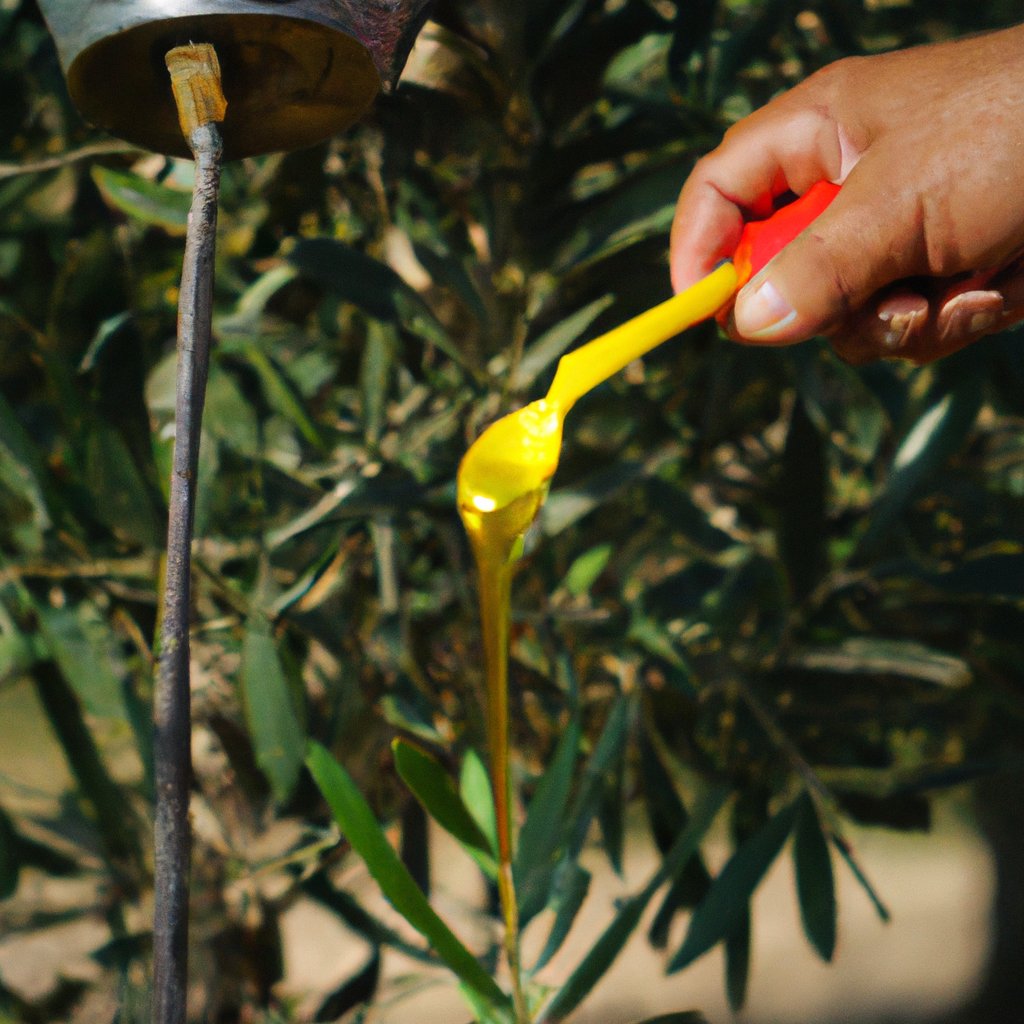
{"x":759,"y":573}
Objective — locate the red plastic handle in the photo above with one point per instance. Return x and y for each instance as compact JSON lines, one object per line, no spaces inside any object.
{"x":762,"y":239}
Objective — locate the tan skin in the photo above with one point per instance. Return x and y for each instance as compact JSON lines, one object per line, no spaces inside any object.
{"x":928,"y":144}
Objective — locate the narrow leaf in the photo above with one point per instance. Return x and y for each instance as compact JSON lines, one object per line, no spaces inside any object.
{"x":374,"y":375}
{"x":668,"y":817}
{"x":608,"y":946}
{"x":569,"y":889}
{"x":545,"y":818}
{"x":477,"y":795}
{"x":10,"y":860}
{"x":815,"y":884}
{"x":144,"y":200}
{"x":319,"y":888}
{"x":611,"y":813}
{"x":584,"y":571}
{"x":550,"y":345}
{"x":361,"y":829}
{"x":882,"y":656}
{"x":721,"y":911}
{"x":21,"y":468}
{"x":349,"y":274}
{"x":801,"y":503}
{"x":607,"y":754}
{"x":82,"y":644}
{"x":352,"y":992}
{"x":851,"y":862}
{"x":939,"y":432}
{"x":281,"y":395}
{"x":120,"y":492}
{"x":277,"y":737}
{"x":433,"y":788}
{"x":737,"y":962}
{"x":115,"y":817}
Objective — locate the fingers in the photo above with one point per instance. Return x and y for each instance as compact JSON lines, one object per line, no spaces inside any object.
{"x":887,"y":329}
{"x":909,"y":325}
{"x":781,"y":147}
{"x":831,"y":270}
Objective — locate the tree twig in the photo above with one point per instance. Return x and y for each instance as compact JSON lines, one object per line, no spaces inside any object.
{"x":71,"y":156}
{"x":194,"y":72}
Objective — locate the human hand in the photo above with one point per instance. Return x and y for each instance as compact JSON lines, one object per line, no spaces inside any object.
{"x":922,"y":252}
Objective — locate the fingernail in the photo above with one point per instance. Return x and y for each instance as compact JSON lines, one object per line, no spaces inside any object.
{"x":982,"y":322}
{"x":959,"y":320}
{"x":897,"y":329}
{"x":762,"y":313}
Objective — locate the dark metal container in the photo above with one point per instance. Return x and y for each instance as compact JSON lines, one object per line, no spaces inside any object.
{"x":294,"y":71}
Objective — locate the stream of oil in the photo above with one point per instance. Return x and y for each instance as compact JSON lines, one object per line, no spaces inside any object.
{"x":502,"y":483}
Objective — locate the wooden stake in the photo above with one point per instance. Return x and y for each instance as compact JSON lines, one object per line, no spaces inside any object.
{"x":195,"y":79}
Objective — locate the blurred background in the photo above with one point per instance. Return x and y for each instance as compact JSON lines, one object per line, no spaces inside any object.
{"x":757,"y":566}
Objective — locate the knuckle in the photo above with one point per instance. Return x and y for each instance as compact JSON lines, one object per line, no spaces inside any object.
{"x":834,"y":80}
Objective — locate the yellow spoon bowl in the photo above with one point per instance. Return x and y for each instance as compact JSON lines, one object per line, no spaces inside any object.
{"x":518,"y":454}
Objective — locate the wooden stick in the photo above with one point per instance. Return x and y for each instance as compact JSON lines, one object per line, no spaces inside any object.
{"x":195,"y":78}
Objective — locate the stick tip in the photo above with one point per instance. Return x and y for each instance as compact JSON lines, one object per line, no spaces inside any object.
{"x":196,"y":83}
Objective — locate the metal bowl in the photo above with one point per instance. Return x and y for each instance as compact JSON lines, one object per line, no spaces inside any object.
{"x":294,"y":71}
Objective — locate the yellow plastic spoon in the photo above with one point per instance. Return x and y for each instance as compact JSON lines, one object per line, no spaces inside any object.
{"x":517,"y":455}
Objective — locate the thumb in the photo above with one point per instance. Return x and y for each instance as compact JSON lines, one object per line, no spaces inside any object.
{"x":857,"y":246}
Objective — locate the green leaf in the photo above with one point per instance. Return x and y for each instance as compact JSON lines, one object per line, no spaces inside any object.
{"x":229,"y":416}
{"x":433,"y":788}
{"x":880,"y":656}
{"x":144,"y":200}
{"x":277,"y":737}
{"x":721,"y":911}
{"x":115,"y":817}
{"x":668,"y":817}
{"x":372,"y":286}
{"x":349,"y":274}
{"x":604,"y":762}
{"x":319,"y":888}
{"x":801,"y":503}
{"x":352,"y":992}
{"x":280,"y":395}
{"x":10,"y":859}
{"x":737,"y":962}
{"x":636,"y":208}
{"x":477,"y":795}
{"x":106,"y":331}
{"x":545,"y":818}
{"x":846,"y":853}
{"x":374,"y":374}
{"x":815,"y":884}
{"x":21,"y":468}
{"x":640,"y":70}
{"x":553,"y":343}
{"x":253,"y":301}
{"x":584,"y":571}
{"x":611,"y":812}
{"x":566,"y":506}
{"x":939,"y":432}
{"x":360,"y":827}
{"x":118,"y":488}
{"x":569,"y":887}
{"x":81,"y":643}
{"x":602,"y":954}
{"x":446,"y":270}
